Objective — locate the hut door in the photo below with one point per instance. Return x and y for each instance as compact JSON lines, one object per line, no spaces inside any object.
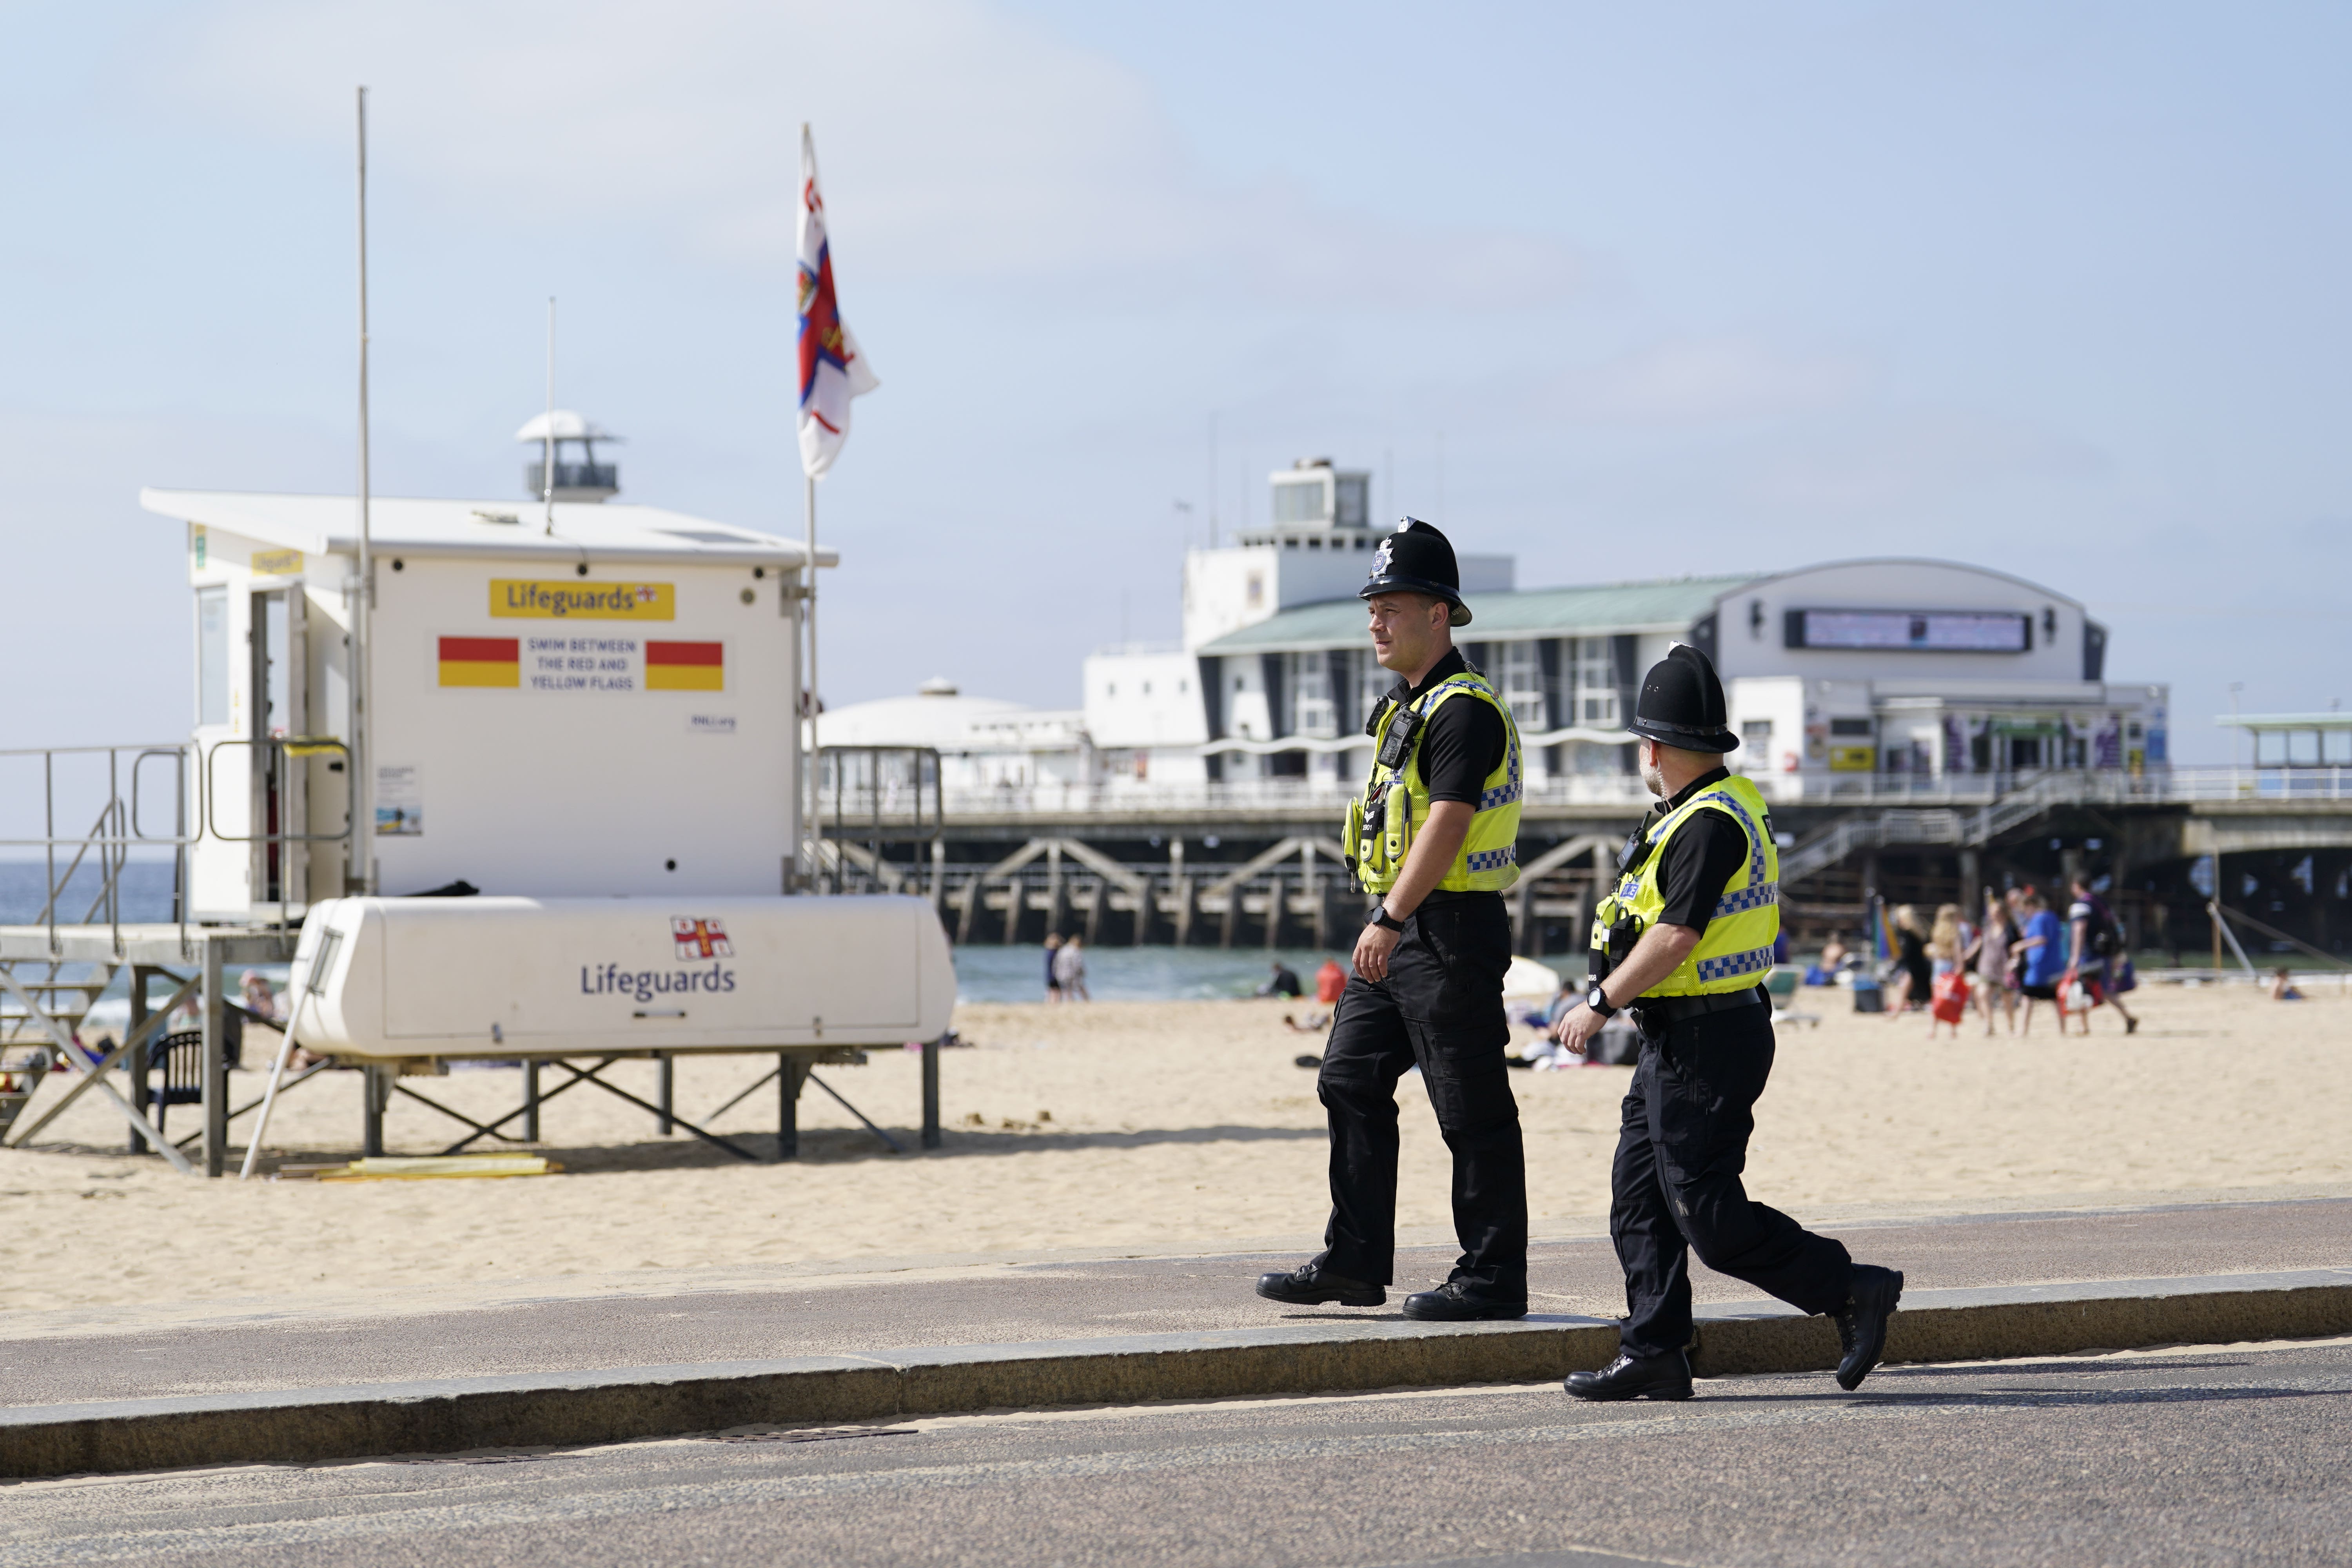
{"x":280,"y":703}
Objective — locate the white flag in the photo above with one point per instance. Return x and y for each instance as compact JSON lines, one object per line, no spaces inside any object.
{"x":832,"y":370}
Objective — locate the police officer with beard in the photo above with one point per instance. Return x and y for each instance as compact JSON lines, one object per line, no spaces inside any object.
{"x":1435,"y":836}
{"x":1684,"y":941}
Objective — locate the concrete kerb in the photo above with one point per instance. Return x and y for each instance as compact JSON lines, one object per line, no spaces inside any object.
{"x":570,"y":1409}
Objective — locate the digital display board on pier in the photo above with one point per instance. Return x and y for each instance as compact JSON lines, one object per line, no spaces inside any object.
{"x":1916,"y":631}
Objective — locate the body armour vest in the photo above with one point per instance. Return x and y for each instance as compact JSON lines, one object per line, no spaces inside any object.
{"x":1382,"y":822}
{"x":1736,"y":948}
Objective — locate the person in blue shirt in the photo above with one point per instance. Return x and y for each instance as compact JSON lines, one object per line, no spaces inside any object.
{"x":2043,"y":946}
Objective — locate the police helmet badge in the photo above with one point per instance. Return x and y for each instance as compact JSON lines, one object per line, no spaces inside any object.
{"x":1382,"y":556}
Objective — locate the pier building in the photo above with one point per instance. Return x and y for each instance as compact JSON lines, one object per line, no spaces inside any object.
{"x":1920,"y":726}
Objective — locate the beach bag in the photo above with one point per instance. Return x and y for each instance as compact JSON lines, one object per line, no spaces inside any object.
{"x":1950,"y":996}
{"x":2073,"y":995}
{"x":2122,"y":977}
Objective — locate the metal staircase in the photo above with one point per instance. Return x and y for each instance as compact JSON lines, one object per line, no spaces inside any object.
{"x":1960,"y":829}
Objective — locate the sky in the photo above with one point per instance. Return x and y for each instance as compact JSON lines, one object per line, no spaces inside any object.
{"x":2057,"y":289}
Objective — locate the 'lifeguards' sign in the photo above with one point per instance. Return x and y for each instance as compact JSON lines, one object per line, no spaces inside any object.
{"x":583,"y":601}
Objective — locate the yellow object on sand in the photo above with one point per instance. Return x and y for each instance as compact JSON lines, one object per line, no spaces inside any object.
{"x":441,"y":1167}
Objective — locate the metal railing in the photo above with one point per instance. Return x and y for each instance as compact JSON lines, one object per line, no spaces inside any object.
{"x":2009,"y":796}
{"x":281,"y":752}
{"x":879,"y":794}
{"x":122,"y":822}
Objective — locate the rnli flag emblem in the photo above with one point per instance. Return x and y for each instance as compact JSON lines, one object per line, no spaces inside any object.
{"x":700,"y":938}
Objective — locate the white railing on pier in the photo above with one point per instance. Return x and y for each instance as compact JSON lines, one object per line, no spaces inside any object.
{"x":2018,"y":796}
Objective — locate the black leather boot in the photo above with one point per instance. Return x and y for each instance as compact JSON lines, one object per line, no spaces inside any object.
{"x":1452,"y":1303}
{"x":1650,"y":1377}
{"x":1310,"y":1285}
{"x":1862,"y":1327}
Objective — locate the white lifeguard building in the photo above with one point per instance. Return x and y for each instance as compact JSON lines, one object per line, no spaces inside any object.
{"x":602,"y":706}
{"x":559,"y":817}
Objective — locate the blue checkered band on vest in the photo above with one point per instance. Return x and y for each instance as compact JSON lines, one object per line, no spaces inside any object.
{"x":1725,"y":799}
{"x":1753,"y":962}
{"x":1507,"y":792}
{"x":1495,"y":859}
{"x":1754,"y":898}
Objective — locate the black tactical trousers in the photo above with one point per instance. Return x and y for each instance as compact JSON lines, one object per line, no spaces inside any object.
{"x":1441,"y":1008}
{"x":1675,"y":1188}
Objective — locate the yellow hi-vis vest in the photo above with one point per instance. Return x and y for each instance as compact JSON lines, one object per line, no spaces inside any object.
{"x":1382,"y":821}
{"x":1736,"y":948}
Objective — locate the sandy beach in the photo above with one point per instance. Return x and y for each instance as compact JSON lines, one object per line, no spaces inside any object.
{"x":1153,"y":1128}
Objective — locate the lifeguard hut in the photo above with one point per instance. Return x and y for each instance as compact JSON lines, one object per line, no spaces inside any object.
{"x":565,"y":822}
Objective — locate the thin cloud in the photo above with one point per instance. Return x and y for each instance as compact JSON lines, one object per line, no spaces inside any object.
{"x":959,"y":143}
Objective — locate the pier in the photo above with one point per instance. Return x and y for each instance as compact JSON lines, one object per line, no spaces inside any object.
{"x":1257,"y":863}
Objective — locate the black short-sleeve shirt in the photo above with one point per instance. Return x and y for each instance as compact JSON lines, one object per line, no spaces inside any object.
{"x":1463,"y":742}
{"x":1705,"y":853}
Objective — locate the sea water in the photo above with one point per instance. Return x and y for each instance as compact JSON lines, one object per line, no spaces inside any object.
{"x":985,"y":973}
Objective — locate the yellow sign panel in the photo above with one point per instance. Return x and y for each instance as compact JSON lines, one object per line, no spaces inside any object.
{"x":1853,"y":759}
{"x":560,"y":601}
{"x":276,"y":563}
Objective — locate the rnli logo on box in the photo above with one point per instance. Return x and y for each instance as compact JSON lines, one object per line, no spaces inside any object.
{"x":699,"y":939}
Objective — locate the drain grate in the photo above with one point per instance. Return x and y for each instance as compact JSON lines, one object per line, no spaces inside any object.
{"x":818,"y":1434}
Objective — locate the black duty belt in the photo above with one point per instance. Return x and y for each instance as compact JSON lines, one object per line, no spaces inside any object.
{"x":1654,"y":1011}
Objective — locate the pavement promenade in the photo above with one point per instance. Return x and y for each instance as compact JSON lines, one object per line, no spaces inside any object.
{"x":250,"y":1348}
{"x":869,"y":1344}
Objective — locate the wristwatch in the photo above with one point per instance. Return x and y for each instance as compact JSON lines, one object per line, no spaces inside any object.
{"x":1382,"y":918}
{"x":1597,"y":998}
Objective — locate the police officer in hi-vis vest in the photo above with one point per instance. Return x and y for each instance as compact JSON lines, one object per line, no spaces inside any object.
{"x":1683,"y":940}
{"x":1435,"y":836}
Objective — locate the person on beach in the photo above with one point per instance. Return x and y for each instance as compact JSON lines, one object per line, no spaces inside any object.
{"x":2097,"y":956}
{"x":1683,"y":940}
{"x":1053,"y":980}
{"x":2042,"y":956}
{"x":1282,"y":981}
{"x":1434,"y":838}
{"x":1070,"y":969}
{"x":1911,"y":963}
{"x":1991,"y":959}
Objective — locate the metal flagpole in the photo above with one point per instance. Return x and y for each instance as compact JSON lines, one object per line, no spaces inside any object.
{"x":361,"y":872}
{"x":547,"y":472}
{"x":810,"y":825}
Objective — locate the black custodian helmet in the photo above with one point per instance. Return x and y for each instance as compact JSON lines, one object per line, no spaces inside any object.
{"x":1681,"y":704}
{"x":1417,"y":559}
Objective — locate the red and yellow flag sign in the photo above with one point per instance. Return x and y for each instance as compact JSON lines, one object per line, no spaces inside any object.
{"x":481,"y":661}
{"x":686,"y":667}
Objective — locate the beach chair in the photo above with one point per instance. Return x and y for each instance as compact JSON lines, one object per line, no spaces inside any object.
{"x":1780,"y":986}
{"x":179,"y":1058}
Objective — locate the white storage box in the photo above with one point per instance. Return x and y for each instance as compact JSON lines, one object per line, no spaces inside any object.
{"x":507,"y":976}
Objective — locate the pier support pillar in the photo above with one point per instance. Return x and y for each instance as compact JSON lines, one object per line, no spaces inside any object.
{"x":530,"y":1099}
{"x":1058,"y":907}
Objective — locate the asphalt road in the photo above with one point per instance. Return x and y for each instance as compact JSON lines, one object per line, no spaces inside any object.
{"x":865,"y":1312}
{"x":2233,"y":1455}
